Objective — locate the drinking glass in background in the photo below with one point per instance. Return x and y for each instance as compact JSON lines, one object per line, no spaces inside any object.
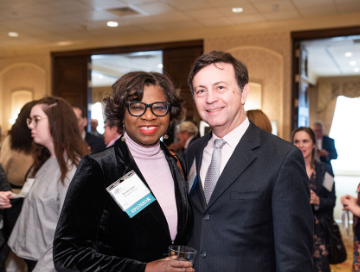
{"x":183,"y":253}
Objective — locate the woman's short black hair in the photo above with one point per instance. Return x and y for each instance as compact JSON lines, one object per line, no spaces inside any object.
{"x":130,"y":87}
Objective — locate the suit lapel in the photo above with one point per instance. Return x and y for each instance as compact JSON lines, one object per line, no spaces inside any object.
{"x":154,"y":208}
{"x":241,"y":158}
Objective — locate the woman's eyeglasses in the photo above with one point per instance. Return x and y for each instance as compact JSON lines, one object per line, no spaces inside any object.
{"x":137,"y":108}
{"x":35,"y":120}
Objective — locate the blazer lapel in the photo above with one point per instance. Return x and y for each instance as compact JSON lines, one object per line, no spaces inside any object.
{"x":240,"y":160}
{"x":154,"y":208}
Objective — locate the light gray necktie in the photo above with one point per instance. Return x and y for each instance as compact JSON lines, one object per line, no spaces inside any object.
{"x":213,"y":172}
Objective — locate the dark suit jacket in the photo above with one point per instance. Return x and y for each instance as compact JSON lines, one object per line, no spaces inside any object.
{"x":94,"y":234}
{"x":327,"y":199}
{"x":259,"y":216}
{"x":96,"y":144}
{"x":329,"y":145}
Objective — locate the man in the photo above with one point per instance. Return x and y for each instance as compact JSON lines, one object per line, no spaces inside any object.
{"x":187,"y":134}
{"x":93,"y":125}
{"x":95,"y":144}
{"x":325,"y":145}
{"x":111,"y":133}
{"x":249,"y":189}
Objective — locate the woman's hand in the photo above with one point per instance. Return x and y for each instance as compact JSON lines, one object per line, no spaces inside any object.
{"x":168,"y":265}
{"x":314,"y":199}
{"x":5,"y":199}
{"x":350,"y":204}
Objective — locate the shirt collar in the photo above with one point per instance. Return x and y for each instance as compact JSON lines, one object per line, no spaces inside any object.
{"x":233,"y":137}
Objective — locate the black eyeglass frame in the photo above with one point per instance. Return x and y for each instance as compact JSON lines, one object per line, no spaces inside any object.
{"x":147,"y":106}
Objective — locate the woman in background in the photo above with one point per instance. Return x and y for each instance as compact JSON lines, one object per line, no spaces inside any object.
{"x":16,"y":160}
{"x":321,"y":198}
{"x":259,"y":118}
{"x":57,"y":153}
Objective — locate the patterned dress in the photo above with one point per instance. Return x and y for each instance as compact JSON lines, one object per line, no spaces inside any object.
{"x":356,"y":263}
{"x":320,"y":250}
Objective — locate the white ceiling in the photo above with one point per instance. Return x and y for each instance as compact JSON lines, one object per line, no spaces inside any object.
{"x":49,"y":21}
{"x":327,"y":57}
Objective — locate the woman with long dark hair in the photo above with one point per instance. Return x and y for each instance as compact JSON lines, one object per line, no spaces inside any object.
{"x":322,"y":198}
{"x":98,"y":231}
{"x":57,"y":153}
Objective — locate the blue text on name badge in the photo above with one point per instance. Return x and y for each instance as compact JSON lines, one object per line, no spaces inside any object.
{"x":140,"y":205}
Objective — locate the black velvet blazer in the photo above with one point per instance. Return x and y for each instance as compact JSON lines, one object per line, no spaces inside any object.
{"x":94,"y":234}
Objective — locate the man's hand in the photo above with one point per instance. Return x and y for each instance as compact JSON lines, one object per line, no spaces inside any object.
{"x":323,"y":153}
{"x":168,"y":265}
{"x":5,"y":199}
{"x":314,"y":199}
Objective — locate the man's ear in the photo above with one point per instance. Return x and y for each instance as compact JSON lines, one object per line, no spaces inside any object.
{"x":244,"y":93}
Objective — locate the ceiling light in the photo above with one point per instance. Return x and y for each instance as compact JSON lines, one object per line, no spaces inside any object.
{"x":356,"y":69}
{"x":160,"y":66}
{"x":237,"y":10}
{"x":13,"y":34}
{"x":353,"y":63}
{"x":112,"y":24}
{"x":348,"y":54}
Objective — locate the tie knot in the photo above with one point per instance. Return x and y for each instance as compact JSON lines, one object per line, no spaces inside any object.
{"x":219,"y":143}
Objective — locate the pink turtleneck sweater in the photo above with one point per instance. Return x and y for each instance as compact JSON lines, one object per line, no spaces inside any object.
{"x":155,"y":169}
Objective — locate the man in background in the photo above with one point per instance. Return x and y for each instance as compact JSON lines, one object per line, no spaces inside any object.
{"x":93,"y":125}
{"x":187,"y":134}
{"x":111,"y":133}
{"x":95,"y":144}
{"x":325,"y":145}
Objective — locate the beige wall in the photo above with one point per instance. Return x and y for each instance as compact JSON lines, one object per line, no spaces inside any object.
{"x":22,"y":73}
{"x":265,"y":48}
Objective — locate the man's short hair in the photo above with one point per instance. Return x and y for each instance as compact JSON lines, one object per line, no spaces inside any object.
{"x":82,"y":109}
{"x":241,"y":72}
{"x":319,"y":123}
{"x":189,"y":127}
{"x":111,"y":125}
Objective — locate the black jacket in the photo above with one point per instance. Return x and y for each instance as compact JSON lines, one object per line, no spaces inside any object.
{"x":94,"y":234}
{"x":96,"y":144}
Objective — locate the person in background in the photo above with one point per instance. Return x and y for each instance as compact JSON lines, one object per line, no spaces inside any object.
{"x":4,"y":248}
{"x":95,"y":144}
{"x":94,"y":233}
{"x":248,"y":188}
{"x":187,"y":134}
{"x":325,"y":145}
{"x":322,"y":199}
{"x":352,"y":204}
{"x":57,"y":153}
{"x":93,"y":125}
{"x":16,"y":159}
{"x":259,"y":118}
{"x":111,"y":133}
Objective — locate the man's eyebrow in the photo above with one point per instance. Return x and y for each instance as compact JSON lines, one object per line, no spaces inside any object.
{"x":217,"y":83}
{"x":202,"y":86}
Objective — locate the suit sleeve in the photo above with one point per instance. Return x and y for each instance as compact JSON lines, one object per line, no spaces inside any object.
{"x":75,"y":236}
{"x":292,"y":216}
{"x":332,"y":150}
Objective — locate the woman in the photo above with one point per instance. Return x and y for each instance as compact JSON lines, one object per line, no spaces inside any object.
{"x":322,"y":200}
{"x":59,"y":148}
{"x":94,"y":233}
{"x":16,"y":160}
{"x":352,"y":204}
{"x":259,"y":118}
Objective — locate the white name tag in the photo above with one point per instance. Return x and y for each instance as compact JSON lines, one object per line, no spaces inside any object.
{"x":26,"y":188}
{"x":328,"y":181}
{"x":131,"y":194}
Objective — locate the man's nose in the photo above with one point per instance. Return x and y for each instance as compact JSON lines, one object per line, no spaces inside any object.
{"x":211,"y":97}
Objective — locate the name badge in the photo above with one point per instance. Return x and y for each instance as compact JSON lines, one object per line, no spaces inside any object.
{"x":26,"y":188}
{"x":131,"y":194}
{"x":192,"y":178}
{"x":328,"y":181}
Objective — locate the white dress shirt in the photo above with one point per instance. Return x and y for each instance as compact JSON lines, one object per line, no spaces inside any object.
{"x":232,"y":139}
